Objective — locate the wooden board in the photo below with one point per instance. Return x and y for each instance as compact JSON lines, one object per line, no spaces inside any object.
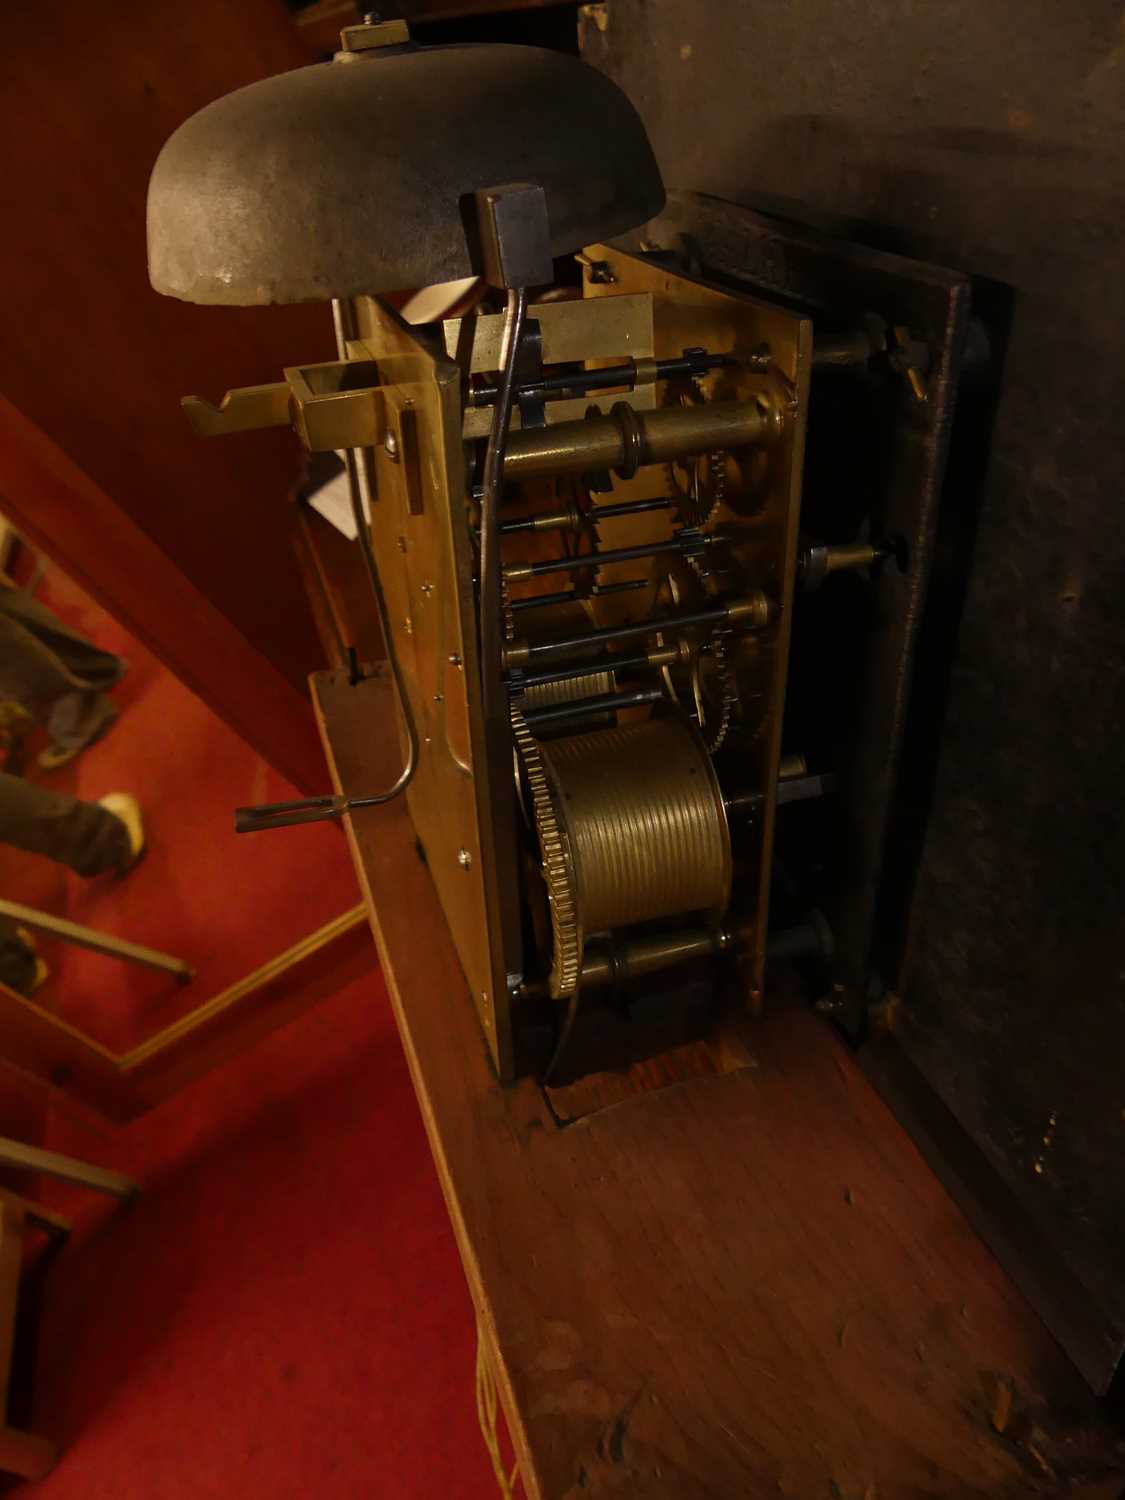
{"x":122,"y":1085}
{"x":747,"y":1284}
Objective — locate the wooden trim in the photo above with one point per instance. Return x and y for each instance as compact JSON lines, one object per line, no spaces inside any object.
{"x":124,"y":1085}
{"x":25,"y":1454}
{"x":51,"y":1223}
{"x":58,"y":1054}
{"x":40,"y":1163}
{"x":292,"y":982}
{"x":64,"y":514}
{"x":21,"y":1453}
{"x":12,"y":1221}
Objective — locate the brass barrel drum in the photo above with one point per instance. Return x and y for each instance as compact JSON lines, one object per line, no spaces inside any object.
{"x":639,"y":817}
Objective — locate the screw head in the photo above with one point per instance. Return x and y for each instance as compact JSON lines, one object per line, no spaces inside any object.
{"x":390,"y":443}
{"x":464,"y":858}
{"x":454,"y":659}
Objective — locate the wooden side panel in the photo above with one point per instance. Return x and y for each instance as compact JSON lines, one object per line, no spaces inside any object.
{"x":59,"y":1055}
{"x":52,"y":1053}
{"x":744,"y":1285}
{"x":239,"y":1017}
{"x":90,"y":353}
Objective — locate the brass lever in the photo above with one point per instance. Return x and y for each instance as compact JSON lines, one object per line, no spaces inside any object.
{"x":334,"y":405}
{"x":240,"y":410}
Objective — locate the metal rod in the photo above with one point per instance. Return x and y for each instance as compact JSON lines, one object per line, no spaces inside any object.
{"x":610,"y":377}
{"x":269,"y":815}
{"x":526,"y":651}
{"x":789,"y":789}
{"x":571,"y":596}
{"x":514,"y":572}
{"x":811,"y":938}
{"x":617,"y":963}
{"x":359,"y":490}
{"x":493,"y":479}
{"x":99,"y":942}
{"x":599,"y":513}
{"x":661,"y":657}
{"x":600,"y":703}
{"x":805,"y":788}
{"x":552,"y":520}
{"x":318,"y":809}
{"x":628,"y":439}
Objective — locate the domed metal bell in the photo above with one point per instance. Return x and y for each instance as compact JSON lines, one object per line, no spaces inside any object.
{"x":343,"y":179}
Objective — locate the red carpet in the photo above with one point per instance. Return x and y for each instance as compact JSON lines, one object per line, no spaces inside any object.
{"x":226,"y":903}
{"x":283,"y":1314}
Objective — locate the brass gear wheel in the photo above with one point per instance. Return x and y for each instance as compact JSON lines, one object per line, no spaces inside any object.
{"x":713,"y":704}
{"x":715,"y":733}
{"x":507,"y":613}
{"x":698,"y":484}
{"x":557,"y":868}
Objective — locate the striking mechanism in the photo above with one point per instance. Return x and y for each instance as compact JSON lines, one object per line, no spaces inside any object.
{"x":577,"y":516}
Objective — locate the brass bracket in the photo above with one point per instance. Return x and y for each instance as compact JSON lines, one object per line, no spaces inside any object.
{"x":322,"y":403}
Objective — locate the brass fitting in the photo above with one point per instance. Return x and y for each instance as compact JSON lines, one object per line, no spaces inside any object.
{"x":628,"y":439}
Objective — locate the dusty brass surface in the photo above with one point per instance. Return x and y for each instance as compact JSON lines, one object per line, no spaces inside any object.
{"x":327,"y":414}
{"x":564,"y":619}
{"x":846,"y":555}
{"x":556,"y":864}
{"x":759,"y":510}
{"x":574,"y":331}
{"x":600,"y":443}
{"x":792,"y":766}
{"x":420,"y":535}
{"x":650,"y":955}
{"x":371,"y":35}
{"x":318,"y":402}
{"x":644,"y":820}
{"x":641,"y":956}
{"x":240,"y":410}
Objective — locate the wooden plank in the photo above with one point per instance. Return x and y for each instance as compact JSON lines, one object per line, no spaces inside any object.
{"x":124,"y":1085}
{"x":25,"y":1454}
{"x":59,"y":1055}
{"x":53,"y":1224}
{"x":748,"y":1284}
{"x":23,"y":1104}
{"x":273,"y":995}
{"x":12,"y":1221}
{"x":20,"y":1452}
{"x":66,"y":1169}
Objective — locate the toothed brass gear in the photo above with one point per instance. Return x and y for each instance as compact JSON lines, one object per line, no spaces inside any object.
{"x":556,"y":865}
{"x":729,"y":697}
{"x":699,"y":484}
{"x":714,"y":737}
{"x":508,"y":614}
{"x":712,"y":705}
